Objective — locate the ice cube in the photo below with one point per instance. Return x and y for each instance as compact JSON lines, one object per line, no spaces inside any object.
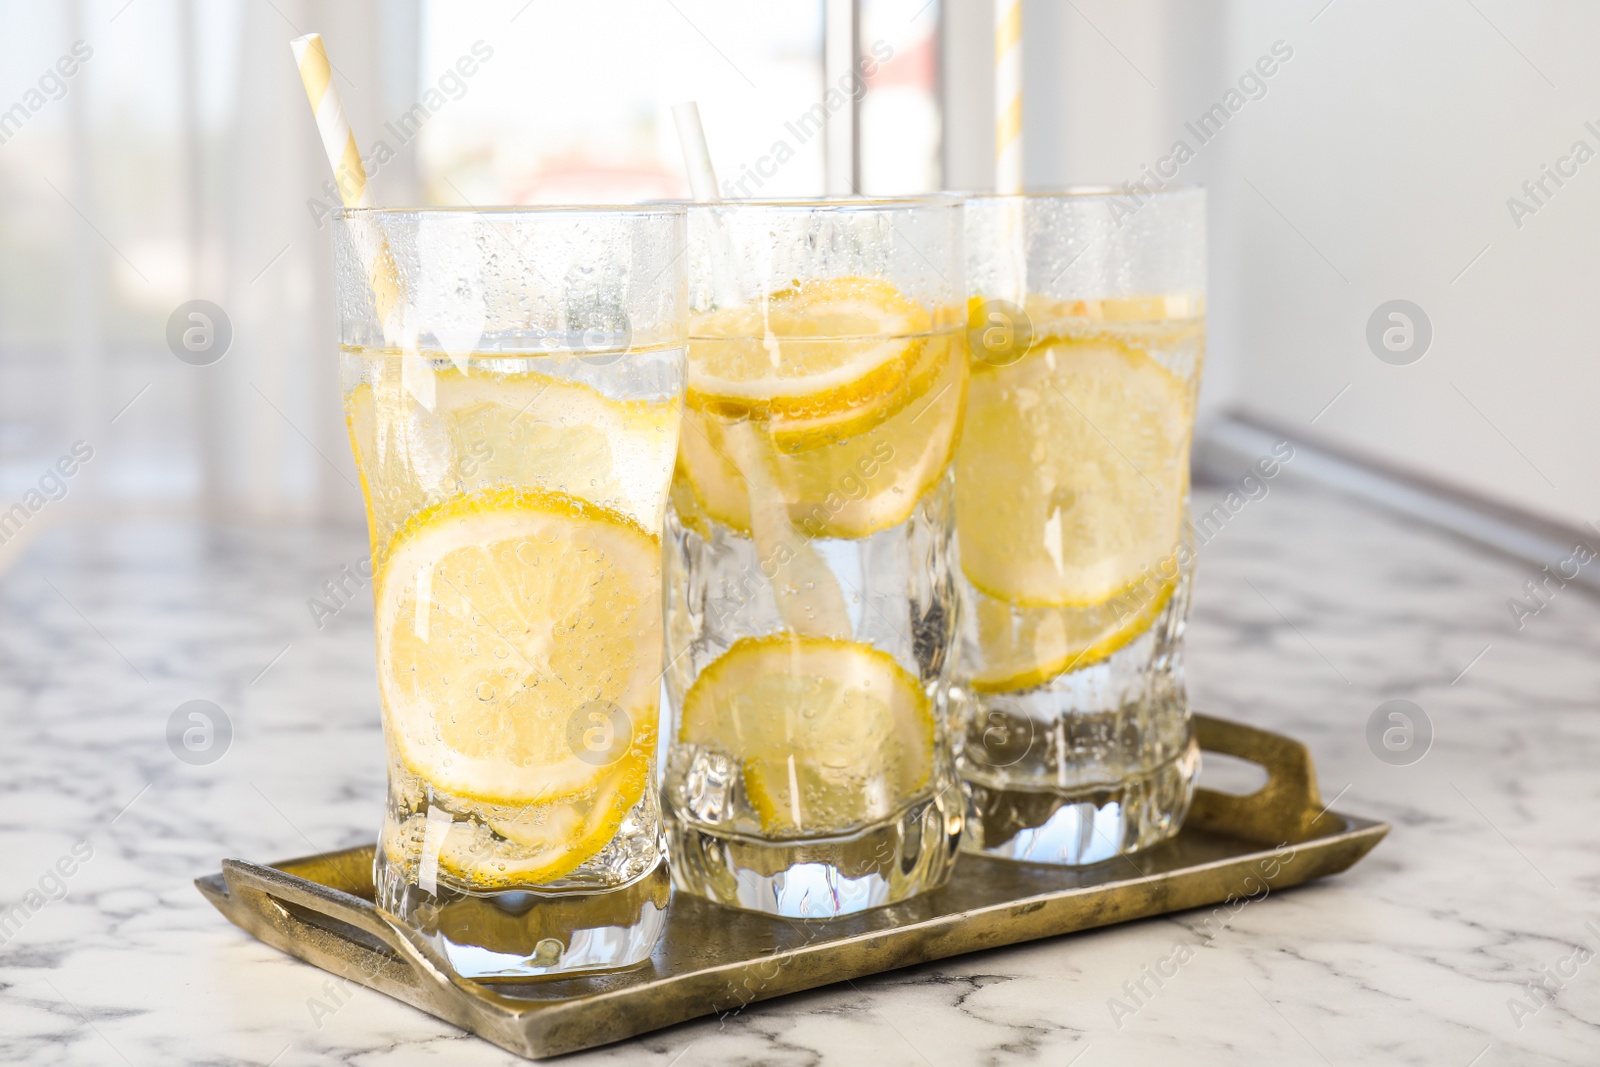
{"x":709,"y":785}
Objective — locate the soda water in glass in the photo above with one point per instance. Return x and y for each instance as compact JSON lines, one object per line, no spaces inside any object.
{"x":512,"y":382}
{"x":810,"y":582}
{"x":1072,"y":491}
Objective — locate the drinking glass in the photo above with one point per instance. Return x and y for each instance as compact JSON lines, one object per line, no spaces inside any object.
{"x":1072,"y":491}
{"x":810,"y":595}
{"x":512,"y":383}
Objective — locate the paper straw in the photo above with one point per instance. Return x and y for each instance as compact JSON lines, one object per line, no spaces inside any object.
{"x":1011,"y":257}
{"x":1008,"y":96}
{"x":817,"y":605}
{"x":703,"y":181}
{"x":339,"y":142}
{"x":696,"y":153}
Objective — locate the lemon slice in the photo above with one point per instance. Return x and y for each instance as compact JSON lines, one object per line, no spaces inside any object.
{"x":543,"y":842}
{"x":1020,"y":648}
{"x":841,"y":480}
{"x":809,"y":351}
{"x":560,"y":434}
{"x":488,"y":429}
{"x":1072,"y":473}
{"x":831,"y":734}
{"x":832,"y":404}
{"x":507,"y":620}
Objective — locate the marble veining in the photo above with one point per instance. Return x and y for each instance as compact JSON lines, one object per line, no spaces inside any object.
{"x":1310,"y":610}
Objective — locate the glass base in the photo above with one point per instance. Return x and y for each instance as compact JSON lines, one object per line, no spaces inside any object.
{"x":526,"y":933}
{"x":821,"y":878}
{"x":1081,"y":825}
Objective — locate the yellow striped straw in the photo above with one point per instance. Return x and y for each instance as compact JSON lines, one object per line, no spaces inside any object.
{"x":1008,"y":96}
{"x":339,"y":142}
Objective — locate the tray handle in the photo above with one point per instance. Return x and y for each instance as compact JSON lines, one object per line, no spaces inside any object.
{"x":354,"y":941}
{"x":275,"y":897}
{"x":1287,"y":809}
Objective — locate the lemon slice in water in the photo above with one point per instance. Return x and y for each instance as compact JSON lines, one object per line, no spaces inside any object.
{"x":831,"y":734}
{"x":509,"y":623}
{"x":1072,"y":473}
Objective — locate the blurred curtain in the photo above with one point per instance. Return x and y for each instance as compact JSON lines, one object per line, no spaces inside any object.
{"x":175,"y":163}
{"x":271,"y":427}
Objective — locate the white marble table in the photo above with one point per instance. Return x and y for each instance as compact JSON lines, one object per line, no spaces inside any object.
{"x":1311,"y":610}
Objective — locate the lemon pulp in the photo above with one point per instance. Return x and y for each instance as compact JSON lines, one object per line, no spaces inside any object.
{"x":836,"y":401}
{"x":830,"y":734}
{"x":1072,"y":473}
{"x":486,"y":429}
{"x":512,"y":623}
{"x":1071,"y":484}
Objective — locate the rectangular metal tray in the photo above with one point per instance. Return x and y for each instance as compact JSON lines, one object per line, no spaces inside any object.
{"x":711,"y":959}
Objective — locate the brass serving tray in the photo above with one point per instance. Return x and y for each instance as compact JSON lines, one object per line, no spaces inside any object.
{"x":711,"y":959}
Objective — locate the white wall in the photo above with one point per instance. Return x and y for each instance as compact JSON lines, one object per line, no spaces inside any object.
{"x":1391,"y":144}
{"x":1107,"y":86}
{"x":1376,"y":166}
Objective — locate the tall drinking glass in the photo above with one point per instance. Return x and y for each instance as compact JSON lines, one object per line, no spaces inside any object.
{"x":512,"y":383}
{"x":810,"y":593}
{"x":1072,"y":494}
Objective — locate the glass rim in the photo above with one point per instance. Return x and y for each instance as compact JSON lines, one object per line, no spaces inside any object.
{"x":829,"y":203}
{"x":1091,"y":192}
{"x":663,"y":209}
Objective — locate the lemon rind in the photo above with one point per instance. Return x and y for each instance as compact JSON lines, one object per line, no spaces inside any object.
{"x":1088,"y":656}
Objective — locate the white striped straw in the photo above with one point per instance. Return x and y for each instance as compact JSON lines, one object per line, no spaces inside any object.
{"x":817,"y":605}
{"x":339,"y":142}
{"x":703,"y":182}
{"x":1008,"y":96}
{"x":696,"y":152}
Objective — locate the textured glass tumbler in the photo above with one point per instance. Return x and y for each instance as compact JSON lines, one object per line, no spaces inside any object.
{"x":810,"y":592}
{"x":1072,"y":492}
{"x":513,"y":382}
